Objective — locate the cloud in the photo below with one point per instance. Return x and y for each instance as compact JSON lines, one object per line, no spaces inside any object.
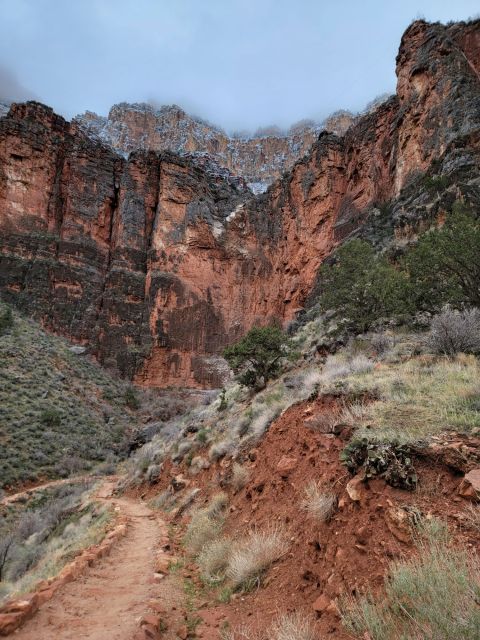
{"x":11,"y":89}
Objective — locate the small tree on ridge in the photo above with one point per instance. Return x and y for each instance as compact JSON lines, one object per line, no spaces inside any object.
{"x":257,"y":357}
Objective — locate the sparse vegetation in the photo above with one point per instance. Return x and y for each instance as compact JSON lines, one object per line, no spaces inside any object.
{"x":253,"y":555}
{"x":214,"y":558}
{"x":455,"y":332}
{"x":6,"y":320}
{"x":40,"y":535}
{"x":54,"y":417}
{"x":432,"y":595}
{"x":220,"y":449}
{"x":131,"y":399}
{"x":240,"y":476}
{"x":319,"y":502}
{"x":415,"y":399}
{"x":292,"y":626}
{"x":472,"y":517}
{"x":205,"y":525}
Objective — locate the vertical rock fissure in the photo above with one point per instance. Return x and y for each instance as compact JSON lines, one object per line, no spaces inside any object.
{"x":150,"y":223}
{"x":114,"y":202}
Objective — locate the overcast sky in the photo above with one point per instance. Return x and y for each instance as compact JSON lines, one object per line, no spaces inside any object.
{"x":238,"y":63}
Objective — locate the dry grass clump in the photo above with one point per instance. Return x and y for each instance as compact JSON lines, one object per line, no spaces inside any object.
{"x":201,"y":530}
{"x":217,"y":505}
{"x":433,"y":595}
{"x":455,"y":332}
{"x":319,"y":502}
{"x":472,"y":517}
{"x":213,"y":559}
{"x":254,"y":555}
{"x":337,"y":367}
{"x":206,"y":524}
{"x":220,"y":449}
{"x":354,"y":413}
{"x":292,"y":626}
{"x":240,"y":477}
{"x":419,"y":398}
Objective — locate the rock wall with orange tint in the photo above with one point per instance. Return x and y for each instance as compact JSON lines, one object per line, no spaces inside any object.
{"x":157,"y":265}
{"x":258,"y":159}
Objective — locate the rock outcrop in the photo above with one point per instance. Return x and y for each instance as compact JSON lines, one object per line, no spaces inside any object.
{"x":258,"y":159}
{"x":158,"y":263}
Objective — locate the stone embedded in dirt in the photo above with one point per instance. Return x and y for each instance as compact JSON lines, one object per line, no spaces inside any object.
{"x":150,"y":632}
{"x":182,"y":632}
{"x":179,"y":482}
{"x":157,"y":606}
{"x":470,"y":485}
{"x":9,"y":622}
{"x":286,"y":465}
{"x":150,"y":619}
{"x":162,"y":563}
{"x":206,"y":633}
{"x":398,"y":523}
{"x":321,"y":604}
{"x":158,"y":577}
{"x":356,"y":487}
{"x":362,"y":535}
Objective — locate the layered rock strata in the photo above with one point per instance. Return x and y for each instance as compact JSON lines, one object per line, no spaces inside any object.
{"x":157,"y":265}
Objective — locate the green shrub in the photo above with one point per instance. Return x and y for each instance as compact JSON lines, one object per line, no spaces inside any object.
{"x":51,"y":417}
{"x":257,"y":357}
{"x":6,"y":320}
{"x":131,"y":399}
{"x":444,"y":266}
{"x":361,"y":286}
{"x":388,"y":460}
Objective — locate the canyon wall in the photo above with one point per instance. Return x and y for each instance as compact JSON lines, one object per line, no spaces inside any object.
{"x":156,"y":264}
{"x":258,"y":159}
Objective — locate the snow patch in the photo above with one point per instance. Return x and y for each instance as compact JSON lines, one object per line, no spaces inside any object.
{"x":259,"y":187}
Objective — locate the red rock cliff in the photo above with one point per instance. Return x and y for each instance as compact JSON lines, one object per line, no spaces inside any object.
{"x":157,"y":265}
{"x":259,"y":159}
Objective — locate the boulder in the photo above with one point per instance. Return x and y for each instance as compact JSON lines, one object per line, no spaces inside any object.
{"x":9,"y":622}
{"x":286,"y":465}
{"x":356,"y":487}
{"x":469,"y":487}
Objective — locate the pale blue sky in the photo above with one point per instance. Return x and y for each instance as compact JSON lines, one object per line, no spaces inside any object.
{"x":238,"y":63}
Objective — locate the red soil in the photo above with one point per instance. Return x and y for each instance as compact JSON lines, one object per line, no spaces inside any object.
{"x":345,"y":556}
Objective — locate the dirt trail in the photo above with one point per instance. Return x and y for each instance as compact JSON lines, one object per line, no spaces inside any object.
{"x":108,"y":600}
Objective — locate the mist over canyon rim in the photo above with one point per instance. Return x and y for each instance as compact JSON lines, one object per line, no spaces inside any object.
{"x":157,"y":263}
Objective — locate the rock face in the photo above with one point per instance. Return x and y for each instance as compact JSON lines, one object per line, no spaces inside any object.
{"x":259,"y":159}
{"x":157,"y":263}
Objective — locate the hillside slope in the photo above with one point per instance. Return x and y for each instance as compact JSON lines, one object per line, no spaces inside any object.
{"x":60,"y":412}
